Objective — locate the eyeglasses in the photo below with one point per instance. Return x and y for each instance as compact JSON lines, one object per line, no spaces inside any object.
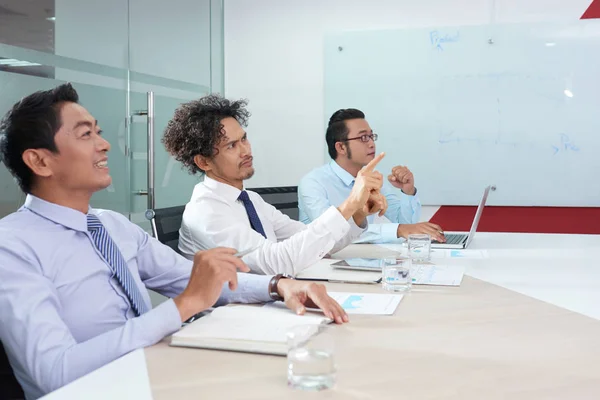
{"x":363,"y":138}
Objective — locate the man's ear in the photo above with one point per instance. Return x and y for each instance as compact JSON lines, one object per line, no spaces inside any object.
{"x":340,"y":147}
{"x":203,"y":163}
{"x":39,"y":161}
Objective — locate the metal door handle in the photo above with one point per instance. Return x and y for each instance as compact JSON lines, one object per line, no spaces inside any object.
{"x":149,"y":113}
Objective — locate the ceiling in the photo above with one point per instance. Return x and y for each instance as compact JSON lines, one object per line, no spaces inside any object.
{"x":23,"y":23}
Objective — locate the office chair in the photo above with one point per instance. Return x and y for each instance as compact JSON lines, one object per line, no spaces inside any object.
{"x":283,"y":198}
{"x":9,"y":386}
{"x":165,"y":225}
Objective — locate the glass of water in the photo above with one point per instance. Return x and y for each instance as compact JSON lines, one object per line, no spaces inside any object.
{"x":419,"y":247}
{"x":395,"y":274}
{"x":310,"y":357}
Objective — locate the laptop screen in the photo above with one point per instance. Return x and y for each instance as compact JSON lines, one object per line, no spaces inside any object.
{"x":478,"y":215}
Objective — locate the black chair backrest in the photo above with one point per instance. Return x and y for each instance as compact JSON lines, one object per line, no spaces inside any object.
{"x":168,"y":222}
{"x":283,"y":198}
{"x":9,"y":386}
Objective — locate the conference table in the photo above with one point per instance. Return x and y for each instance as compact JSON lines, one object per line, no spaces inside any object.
{"x":523,"y":324}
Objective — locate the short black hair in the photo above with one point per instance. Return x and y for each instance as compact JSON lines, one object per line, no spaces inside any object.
{"x":337,"y":131}
{"x":196,"y":128}
{"x":32,"y":123}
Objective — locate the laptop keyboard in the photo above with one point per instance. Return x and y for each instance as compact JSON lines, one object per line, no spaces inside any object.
{"x":452,"y":238}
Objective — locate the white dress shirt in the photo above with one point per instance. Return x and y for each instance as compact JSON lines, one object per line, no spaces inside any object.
{"x":215,"y":217}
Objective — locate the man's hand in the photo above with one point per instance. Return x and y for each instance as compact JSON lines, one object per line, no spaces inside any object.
{"x":435,"y":231}
{"x":376,"y":203}
{"x":367,"y":181}
{"x":211,"y":269}
{"x":403,"y":179}
{"x":299,"y":295}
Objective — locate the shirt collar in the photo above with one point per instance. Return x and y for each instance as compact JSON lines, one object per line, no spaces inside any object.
{"x":230,"y":193}
{"x":61,"y":215}
{"x":341,"y":173}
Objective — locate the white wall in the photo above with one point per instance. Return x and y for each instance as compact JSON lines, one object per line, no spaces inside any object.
{"x":274,"y":57}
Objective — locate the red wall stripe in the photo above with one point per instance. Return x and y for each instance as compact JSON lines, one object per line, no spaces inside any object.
{"x":593,"y":10}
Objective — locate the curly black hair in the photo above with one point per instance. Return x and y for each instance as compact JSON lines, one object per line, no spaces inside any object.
{"x":196,"y":128}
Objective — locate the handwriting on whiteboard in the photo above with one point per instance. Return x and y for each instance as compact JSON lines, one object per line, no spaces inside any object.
{"x":438,"y":39}
{"x":565,"y":145}
{"x":450,"y":137}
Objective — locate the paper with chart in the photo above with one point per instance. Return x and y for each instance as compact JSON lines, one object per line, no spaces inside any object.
{"x":367,"y":303}
{"x":437,"y":254}
{"x":465,"y":253}
{"x":437,"y":275}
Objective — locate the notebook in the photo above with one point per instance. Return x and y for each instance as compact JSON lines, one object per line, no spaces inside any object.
{"x":245,"y":328}
{"x":322,"y":271}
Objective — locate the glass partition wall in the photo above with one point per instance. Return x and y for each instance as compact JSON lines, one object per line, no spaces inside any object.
{"x":132,"y":62}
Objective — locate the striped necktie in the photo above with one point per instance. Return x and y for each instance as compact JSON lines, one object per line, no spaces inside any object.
{"x":117,"y":264}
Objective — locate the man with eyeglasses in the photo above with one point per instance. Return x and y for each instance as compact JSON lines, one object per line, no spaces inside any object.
{"x":351,"y":145}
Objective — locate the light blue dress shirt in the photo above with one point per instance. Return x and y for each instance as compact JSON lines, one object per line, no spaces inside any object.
{"x":62,"y":315}
{"x":331,"y":185}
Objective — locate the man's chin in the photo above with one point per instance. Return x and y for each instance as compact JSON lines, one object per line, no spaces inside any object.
{"x":104,"y":183}
{"x":366,"y":160}
{"x":249,"y":173}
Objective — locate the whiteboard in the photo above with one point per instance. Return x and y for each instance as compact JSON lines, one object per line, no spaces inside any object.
{"x":514,"y":106}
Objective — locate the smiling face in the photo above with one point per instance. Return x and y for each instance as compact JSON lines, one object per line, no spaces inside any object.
{"x":80,"y":165}
{"x":232,"y":162}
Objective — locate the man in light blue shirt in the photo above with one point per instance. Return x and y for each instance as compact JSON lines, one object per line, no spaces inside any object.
{"x":74,"y":280}
{"x":351,"y":145}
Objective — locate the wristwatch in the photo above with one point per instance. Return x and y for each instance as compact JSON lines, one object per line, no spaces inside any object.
{"x":273,"y":293}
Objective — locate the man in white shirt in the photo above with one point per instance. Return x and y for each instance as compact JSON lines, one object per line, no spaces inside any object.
{"x":207,"y":136}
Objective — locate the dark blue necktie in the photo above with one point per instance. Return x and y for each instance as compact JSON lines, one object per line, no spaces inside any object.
{"x":252,"y":215}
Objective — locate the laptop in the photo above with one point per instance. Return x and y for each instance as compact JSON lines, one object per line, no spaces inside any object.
{"x":460,"y":240}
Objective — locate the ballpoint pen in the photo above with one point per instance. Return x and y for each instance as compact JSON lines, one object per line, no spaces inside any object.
{"x":241,"y":254}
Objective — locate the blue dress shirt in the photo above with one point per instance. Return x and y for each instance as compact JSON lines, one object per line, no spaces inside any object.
{"x":331,"y":185}
{"x":62,"y":314}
